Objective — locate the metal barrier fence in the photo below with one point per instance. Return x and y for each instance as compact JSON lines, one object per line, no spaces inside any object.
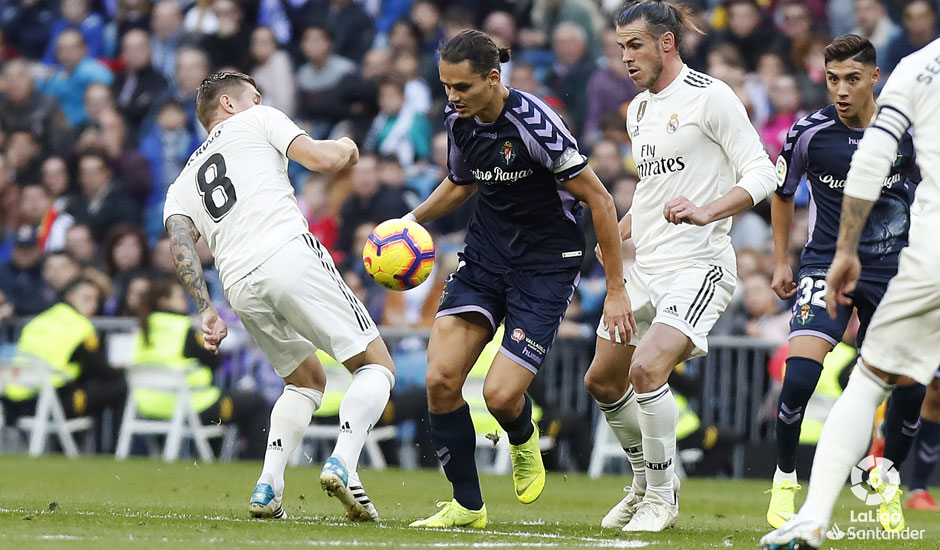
{"x":733,"y":375}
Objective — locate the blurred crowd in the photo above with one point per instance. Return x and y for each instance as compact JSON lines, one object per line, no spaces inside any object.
{"x":97,"y":116}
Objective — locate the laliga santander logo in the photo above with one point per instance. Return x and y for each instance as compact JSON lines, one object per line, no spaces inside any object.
{"x":834,"y":533}
{"x":880,"y":472}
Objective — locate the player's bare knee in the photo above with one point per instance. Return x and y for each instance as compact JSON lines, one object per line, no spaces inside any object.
{"x":309,"y":374}
{"x":600,"y":385}
{"x":376,"y":353}
{"x":443,"y":382}
{"x":502,"y":403}
{"x":645,"y":376}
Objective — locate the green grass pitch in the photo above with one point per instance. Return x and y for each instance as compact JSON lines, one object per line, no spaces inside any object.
{"x":102,"y":504}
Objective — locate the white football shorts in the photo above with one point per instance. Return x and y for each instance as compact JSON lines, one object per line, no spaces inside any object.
{"x":903,"y":333}
{"x":689,"y":300}
{"x":296,"y":302}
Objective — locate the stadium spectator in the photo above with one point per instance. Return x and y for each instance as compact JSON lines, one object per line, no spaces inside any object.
{"x":609,"y":88}
{"x":96,"y":100}
{"x":28,"y":26}
{"x":24,"y":154}
{"x":785,"y":100}
{"x":406,"y":67}
{"x":501,"y":27}
{"x":102,"y":204}
{"x":426,"y":16}
{"x":765,"y":319}
{"x":81,"y":245}
{"x":320,"y":77}
{"x":920,"y":27}
{"x":23,"y":107}
{"x":21,"y":276}
{"x":352,"y":28}
{"x":370,"y":202}
{"x":872,"y":22}
{"x":607,"y":162}
{"x":747,"y":31}
{"x":85,"y":382}
{"x":162,"y":257}
{"x":313,"y":203}
{"x":138,"y":85}
{"x":547,"y":15}
{"x":77,"y":15}
{"x":811,"y":71}
{"x":273,"y":72}
{"x":166,"y":147}
{"x":167,"y":337}
{"x":572,"y":68}
{"x":38,"y":211}
{"x":795,"y":24}
{"x":58,"y":270}
{"x":131,"y":168}
{"x":228,"y":45}
{"x":54,"y":176}
{"x":399,"y":129}
{"x":77,"y":70}
{"x":166,"y":22}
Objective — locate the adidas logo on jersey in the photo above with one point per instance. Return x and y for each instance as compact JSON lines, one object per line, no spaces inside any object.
{"x":345,"y":429}
{"x":672,"y":310}
{"x":276,"y":445}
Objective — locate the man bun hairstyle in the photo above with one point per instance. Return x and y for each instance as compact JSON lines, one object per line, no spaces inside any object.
{"x":661,"y":17}
{"x":476,"y":47}
{"x":851,"y":46}
{"x":215,"y":86}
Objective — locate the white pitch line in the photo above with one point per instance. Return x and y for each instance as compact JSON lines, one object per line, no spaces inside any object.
{"x":597,"y":542}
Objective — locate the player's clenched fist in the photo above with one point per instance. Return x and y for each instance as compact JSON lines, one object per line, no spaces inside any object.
{"x":682,"y":210}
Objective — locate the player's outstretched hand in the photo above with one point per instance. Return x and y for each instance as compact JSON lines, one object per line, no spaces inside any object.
{"x":783,"y":283}
{"x":841,"y":279}
{"x":618,"y":316}
{"x":214,"y":330}
{"x":682,"y":210}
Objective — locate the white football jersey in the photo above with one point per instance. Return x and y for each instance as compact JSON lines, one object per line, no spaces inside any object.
{"x":691,"y":139}
{"x":236,"y":190}
{"x":910,"y":97}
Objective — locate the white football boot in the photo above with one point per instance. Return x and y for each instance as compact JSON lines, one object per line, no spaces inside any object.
{"x":796,"y":534}
{"x":338,"y":482}
{"x":654,"y":514}
{"x":264,"y":504}
{"x":623,"y":511}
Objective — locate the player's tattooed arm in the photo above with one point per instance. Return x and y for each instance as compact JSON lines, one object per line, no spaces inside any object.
{"x":854,"y":215}
{"x":183,"y":237}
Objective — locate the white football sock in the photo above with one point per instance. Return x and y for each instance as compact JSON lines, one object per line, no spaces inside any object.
{"x":362,"y":406}
{"x":780,"y":475}
{"x":657,"y":419}
{"x":622,"y":416}
{"x":843,"y":441}
{"x":289,"y":418}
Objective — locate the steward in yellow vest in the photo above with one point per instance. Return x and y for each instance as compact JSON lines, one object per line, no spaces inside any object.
{"x":65,"y":339}
{"x":716,"y":443}
{"x":167,"y":337}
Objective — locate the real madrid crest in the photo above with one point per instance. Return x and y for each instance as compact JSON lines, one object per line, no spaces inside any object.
{"x":508,"y":154}
{"x":641,"y":110}
{"x":673,"y":124}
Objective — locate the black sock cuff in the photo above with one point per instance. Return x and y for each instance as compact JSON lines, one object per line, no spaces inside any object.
{"x":520,"y":430}
{"x":455,"y":417}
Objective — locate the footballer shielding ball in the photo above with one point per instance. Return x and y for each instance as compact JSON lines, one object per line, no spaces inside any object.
{"x":399,"y":254}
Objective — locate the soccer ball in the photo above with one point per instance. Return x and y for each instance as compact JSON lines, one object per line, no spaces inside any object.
{"x":399,"y":254}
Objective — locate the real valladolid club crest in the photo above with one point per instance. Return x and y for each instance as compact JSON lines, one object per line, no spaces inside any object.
{"x":805,"y":314}
{"x":508,"y":154}
{"x":641,"y":110}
